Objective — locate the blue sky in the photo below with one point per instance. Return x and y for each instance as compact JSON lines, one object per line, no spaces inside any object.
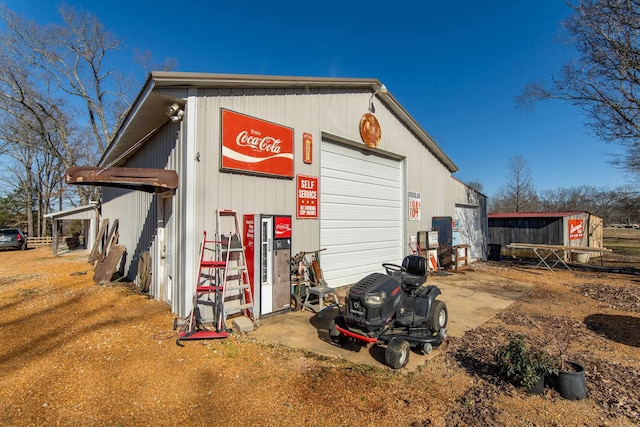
{"x":456,"y":67}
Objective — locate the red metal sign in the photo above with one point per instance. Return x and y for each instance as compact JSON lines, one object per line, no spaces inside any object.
{"x":576,"y":229}
{"x":307,"y":196}
{"x":256,"y":146}
{"x":415,"y":208}
{"x":249,"y":242}
{"x":282,"y":228}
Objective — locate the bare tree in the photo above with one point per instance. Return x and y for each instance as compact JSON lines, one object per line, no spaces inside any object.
{"x":618,"y":205}
{"x":476,"y":185}
{"x":145,"y":60}
{"x":518,"y":194}
{"x":58,"y":101}
{"x":36,"y":174}
{"x":70,"y":58}
{"x":628,"y":202}
{"x":598,"y":201}
{"x":519,"y":186}
{"x":604,"y":80}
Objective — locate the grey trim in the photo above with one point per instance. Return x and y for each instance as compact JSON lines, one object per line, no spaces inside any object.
{"x":366,"y":150}
{"x":75,"y":213}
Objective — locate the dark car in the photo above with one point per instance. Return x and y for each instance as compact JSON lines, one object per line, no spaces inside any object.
{"x":12,"y":238}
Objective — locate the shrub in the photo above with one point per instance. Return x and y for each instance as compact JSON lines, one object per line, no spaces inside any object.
{"x":520,"y":366}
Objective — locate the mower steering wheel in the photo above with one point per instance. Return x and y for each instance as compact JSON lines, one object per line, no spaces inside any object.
{"x":393,"y":269}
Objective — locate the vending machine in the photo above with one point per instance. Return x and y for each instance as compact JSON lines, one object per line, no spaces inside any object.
{"x":268,"y":248}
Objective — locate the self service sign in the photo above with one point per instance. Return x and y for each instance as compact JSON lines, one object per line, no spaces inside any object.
{"x":307,"y":205}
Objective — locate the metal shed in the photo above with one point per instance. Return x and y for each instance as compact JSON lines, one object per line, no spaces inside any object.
{"x":89,"y":214}
{"x":573,"y":228}
{"x":377,"y":176}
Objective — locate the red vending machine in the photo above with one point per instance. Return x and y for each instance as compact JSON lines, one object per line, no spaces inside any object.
{"x":268,"y":248}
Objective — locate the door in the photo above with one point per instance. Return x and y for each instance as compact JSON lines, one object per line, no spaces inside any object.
{"x":266,"y":264}
{"x":444,"y":226}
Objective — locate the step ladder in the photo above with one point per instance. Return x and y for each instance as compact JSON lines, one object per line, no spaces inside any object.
{"x":237,"y":296}
{"x":207,"y":318}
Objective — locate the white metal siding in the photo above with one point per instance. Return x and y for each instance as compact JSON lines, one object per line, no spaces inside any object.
{"x":318,"y":111}
{"x":471,"y":212}
{"x":137,"y":211}
{"x":361,"y":211}
{"x":321,"y":111}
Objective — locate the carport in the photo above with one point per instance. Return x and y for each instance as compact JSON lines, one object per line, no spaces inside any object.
{"x":88,"y":214}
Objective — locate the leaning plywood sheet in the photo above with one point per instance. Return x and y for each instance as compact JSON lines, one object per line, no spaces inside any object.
{"x":143,"y":277}
{"x":97,"y":245}
{"x":144,"y":179}
{"x":106,"y":267}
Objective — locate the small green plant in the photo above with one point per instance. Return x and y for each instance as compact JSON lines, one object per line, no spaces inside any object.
{"x":520,"y":366}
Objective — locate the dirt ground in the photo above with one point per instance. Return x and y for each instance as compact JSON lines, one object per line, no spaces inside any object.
{"x":75,"y":353}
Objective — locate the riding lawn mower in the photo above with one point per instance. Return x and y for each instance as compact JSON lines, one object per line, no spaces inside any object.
{"x":395,"y":309}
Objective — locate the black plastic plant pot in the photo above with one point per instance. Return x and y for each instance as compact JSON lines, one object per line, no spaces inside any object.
{"x":572,"y":385}
{"x":538,"y":388}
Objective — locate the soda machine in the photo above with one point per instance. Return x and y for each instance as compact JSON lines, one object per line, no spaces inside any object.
{"x":267,"y":240}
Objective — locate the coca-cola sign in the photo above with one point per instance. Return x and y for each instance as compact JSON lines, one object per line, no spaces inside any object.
{"x":282,"y":228}
{"x":256,"y":146}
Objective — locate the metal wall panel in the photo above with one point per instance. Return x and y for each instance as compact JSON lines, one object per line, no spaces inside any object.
{"x":137,"y":211}
{"x":323,"y":110}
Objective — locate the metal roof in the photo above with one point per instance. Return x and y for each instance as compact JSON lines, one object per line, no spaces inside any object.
{"x":81,"y":212}
{"x":147,"y":113}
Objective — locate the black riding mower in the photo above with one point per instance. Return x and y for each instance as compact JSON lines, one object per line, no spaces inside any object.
{"x":396,"y":309}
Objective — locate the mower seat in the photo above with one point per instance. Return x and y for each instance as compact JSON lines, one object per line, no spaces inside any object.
{"x":415,"y":271}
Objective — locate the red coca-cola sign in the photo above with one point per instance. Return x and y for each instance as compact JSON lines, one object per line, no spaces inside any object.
{"x":282,"y":229}
{"x":256,"y":146}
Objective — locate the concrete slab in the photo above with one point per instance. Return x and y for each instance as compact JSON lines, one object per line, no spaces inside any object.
{"x":471,"y":297}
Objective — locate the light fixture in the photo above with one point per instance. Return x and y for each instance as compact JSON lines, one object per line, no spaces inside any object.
{"x":175,"y":112}
{"x":382,"y":91}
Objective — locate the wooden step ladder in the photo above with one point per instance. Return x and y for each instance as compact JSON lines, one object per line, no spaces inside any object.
{"x":207,"y":317}
{"x":237,"y":296}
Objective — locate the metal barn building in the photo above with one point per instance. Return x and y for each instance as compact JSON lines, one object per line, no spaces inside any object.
{"x":353,"y":170}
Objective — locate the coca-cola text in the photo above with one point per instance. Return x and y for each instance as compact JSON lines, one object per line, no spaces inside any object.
{"x":257,"y":142}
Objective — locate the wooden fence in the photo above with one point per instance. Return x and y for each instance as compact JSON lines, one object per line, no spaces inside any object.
{"x":38,"y":242}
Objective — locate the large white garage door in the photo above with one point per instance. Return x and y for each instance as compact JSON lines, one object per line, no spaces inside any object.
{"x":361,"y":211}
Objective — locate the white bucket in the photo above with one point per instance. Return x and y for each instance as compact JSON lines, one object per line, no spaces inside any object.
{"x":580,"y":257}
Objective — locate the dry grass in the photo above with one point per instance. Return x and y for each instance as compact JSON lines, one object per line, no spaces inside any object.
{"x":75,"y":353}
{"x":623,"y":241}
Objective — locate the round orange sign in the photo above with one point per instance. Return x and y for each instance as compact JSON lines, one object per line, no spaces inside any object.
{"x":370,"y":130}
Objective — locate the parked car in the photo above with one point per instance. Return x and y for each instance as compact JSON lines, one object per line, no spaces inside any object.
{"x":12,"y":238}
